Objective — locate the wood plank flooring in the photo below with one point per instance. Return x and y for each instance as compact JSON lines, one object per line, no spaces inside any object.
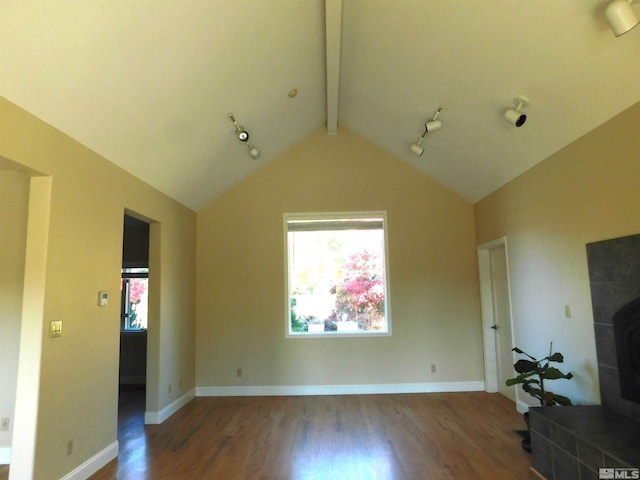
{"x":443,"y":436}
{"x":386,"y":437}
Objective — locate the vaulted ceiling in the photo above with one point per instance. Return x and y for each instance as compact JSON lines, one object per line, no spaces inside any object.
{"x":148,"y":84}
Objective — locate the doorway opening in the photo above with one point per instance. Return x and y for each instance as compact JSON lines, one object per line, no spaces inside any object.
{"x":14,"y":205}
{"x":27,"y":389}
{"x":134,"y":321}
{"x":495,"y":295}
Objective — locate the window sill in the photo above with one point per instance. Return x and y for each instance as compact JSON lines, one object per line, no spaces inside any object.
{"x":133,"y":333}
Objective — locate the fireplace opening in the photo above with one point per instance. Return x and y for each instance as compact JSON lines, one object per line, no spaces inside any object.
{"x":626,"y":327}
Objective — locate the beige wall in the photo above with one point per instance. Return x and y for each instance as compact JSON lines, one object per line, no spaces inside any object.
{"x":433,"y":273}
{"x":588,"y":191}
{"x":79,"y":371}
{"x":14,"y":196}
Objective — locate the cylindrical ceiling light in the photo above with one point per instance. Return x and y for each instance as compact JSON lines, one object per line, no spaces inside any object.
{"x":514,"y":115}
{"x":621,"y":16}
{"x":430,"y":126}
{"x":243,"y":136}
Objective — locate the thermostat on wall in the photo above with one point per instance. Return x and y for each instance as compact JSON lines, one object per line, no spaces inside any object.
{"x":103,"y":299}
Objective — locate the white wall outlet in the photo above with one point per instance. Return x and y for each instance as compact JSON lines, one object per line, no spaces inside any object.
{"x":238,"y":372}
{"x":433,"y":368}
{"x":69,"y":447}
{"x":4,"y":424}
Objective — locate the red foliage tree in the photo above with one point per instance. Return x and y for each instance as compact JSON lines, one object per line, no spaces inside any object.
{"x":361,"y":291}
{"x":137,"y":288}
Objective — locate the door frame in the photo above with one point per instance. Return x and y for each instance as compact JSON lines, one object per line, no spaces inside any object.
{"x":32,"y":333}
{"x":152,"y":385}
{"x":486,"y":305}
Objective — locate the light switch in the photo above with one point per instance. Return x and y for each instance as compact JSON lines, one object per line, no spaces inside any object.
{"x":55,"y":328}
{"x":103,"y":299}
{"x":567,"y":311}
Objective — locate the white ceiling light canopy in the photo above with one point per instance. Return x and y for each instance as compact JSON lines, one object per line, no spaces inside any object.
{"x":430,"y":126}
{"x":514,"y":115}
{"x":621,"y":16}
{"x":243,"y":136}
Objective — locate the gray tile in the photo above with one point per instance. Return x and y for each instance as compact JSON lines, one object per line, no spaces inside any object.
{"x":601,"y":268}
{"x":565,"y":467}
{"x":538,"y":422}
{"x":605,"y":345}
{"x":587,"y":474}
{"x":541,"y":458}
{"x":610,"y":389}
{"x":610,"y":461}
{"x":563,"y":438}
{"x":589,"y":455}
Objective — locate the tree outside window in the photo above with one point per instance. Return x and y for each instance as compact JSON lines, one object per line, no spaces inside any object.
{"x":135,"y":298}
{"x":336,"y":274}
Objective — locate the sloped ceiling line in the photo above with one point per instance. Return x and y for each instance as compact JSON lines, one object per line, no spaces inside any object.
{"x":333,"y":19}
{"x":148,"y":85}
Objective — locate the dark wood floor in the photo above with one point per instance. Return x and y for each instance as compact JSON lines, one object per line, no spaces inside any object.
{"x":390,"y":437}
{"x":387,"y":437}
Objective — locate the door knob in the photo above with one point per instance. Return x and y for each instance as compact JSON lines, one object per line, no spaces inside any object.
{"x":495,"y":327}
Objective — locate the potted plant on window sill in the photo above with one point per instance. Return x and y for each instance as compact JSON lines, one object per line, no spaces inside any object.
{"x":531,"y":375}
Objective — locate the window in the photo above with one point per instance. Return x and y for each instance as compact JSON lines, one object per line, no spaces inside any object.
{"x":336,"y":274}
{"x":134,"y":287}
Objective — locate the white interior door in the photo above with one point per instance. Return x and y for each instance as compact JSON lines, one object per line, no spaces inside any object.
{"x":501,"y":319}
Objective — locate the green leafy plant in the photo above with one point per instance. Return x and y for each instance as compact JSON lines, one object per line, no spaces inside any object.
{"x":533,"y":372}
{"x":296,"y":324}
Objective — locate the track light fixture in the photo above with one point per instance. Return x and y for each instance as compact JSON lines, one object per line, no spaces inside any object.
{"x":430,"y":126}
{"x":620,"y":16}
{"x":243,"y":136}
{"x":514,"y":115}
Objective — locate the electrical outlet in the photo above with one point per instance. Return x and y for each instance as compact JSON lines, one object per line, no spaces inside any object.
{"x":169,"y":389}
{"x":69,"y":447}
{"x":433,"y":368}
{"x":4,"y":424}
{"x":238,"y":372}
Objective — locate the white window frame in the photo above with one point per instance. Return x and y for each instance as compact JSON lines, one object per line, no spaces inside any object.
{"x":382,"y":214}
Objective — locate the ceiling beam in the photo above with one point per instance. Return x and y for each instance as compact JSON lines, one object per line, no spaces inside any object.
{"x":333,"y":20}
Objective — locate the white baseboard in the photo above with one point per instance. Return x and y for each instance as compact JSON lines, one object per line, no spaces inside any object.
{"x":295,"y":390}
{"x":522,"y":407}
{"x":94,"y":464}
{"x":154,"y":418}
{"x":5,"y":455}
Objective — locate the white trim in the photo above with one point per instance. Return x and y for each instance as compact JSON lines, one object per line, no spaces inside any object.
{"x":5,"y":455}
{"x":486,"y":308}
{"x":154,"y":418}
{"x":25,"y":416}
{"x":94,"y":464}
{"x":486,"y":305}
{"x":364,"y":389}
{"x":521,"y":406}
{"x":382,"y":214}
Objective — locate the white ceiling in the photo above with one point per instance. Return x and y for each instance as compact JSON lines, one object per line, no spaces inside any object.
{"x":149,"y":83}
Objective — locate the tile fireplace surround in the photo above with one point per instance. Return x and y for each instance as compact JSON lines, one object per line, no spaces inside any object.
{"x":574,"y":442}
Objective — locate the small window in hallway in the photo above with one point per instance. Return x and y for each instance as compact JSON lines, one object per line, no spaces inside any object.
{"x":134,"y":287}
